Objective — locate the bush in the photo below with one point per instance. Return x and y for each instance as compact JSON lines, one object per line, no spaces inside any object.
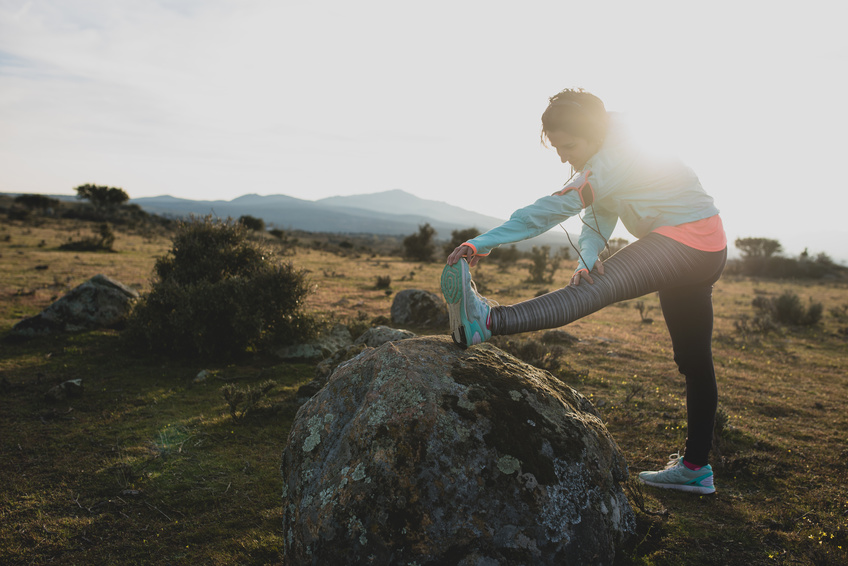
{"x":544,"y":267}
{"x":420,"y":246}
{"x":252,"y":223}
{"x":505,"y":256}
{"x":459,"y":237}
{"x":219,"y":294}
{"x":242,"y":400}
{"x":103,"y":240}
{"x":37,"y":202}
{"x":788,"y":309}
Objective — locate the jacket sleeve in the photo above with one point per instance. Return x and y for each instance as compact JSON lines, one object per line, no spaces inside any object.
{"x":598,"y":224}
{"x":529,"y":222}
{"x":539,"y":217}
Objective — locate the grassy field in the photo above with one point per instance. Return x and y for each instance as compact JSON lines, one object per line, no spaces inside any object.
{"x":148,"y":466}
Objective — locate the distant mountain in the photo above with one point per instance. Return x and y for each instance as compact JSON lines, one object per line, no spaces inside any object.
{"x":390,"y":212}
{"x":394,"y":212}
{"x":401,"y":202}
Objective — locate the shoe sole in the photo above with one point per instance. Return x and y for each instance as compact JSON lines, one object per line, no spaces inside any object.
{"x":452,"y":285}
{"x":681,"y":487}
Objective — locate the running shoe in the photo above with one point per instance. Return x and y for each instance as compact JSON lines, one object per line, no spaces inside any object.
{"x":677,"y":476}
{"x":468,"y":311}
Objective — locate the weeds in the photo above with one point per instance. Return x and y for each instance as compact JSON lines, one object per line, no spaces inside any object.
{"x":635,"y":491}
{"x":536,"y":353}
{"x":243,"y":400}
{"x":643,"y":312}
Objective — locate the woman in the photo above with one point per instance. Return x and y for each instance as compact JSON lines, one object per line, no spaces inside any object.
{"x":680,"y":252}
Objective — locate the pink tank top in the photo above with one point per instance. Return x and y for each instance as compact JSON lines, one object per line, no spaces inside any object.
{"x":706,"y":235}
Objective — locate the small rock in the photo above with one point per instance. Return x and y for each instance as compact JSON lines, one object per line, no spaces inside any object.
{"x":70,"y":388}
{"x":418,"y":308}
{"x":337,"y":339}
{"x":100,"y":302}
{"x":560,"y":337}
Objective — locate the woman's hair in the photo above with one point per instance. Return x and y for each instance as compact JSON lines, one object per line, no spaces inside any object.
{"x":576,"y":112}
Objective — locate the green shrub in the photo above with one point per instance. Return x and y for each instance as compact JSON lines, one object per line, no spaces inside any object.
{"x":788,"y":309}
{"x":420,"y":246}
{"x":505,"y":256}
{"x":242,"y":400}
{"x":459,"y":237}
{"x":218,"y":293}
{"x":543,"y":266}
{"x":37,"y":202}
{"x":103,"y":240}
{"x":252,"y":223}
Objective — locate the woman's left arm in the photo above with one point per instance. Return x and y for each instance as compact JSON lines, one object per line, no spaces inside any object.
{"x":529,"y":222}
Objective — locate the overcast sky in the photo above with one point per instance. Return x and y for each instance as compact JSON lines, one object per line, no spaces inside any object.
{"x":213,"y":99}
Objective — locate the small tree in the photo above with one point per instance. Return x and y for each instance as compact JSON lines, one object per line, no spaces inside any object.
{"x":754,"y":248}
{"x":420,"y":246}
{"x":757,"y":254}
{"x":219,"y":293}
{"x":37,"y":202}
{"x":102,"y":197}
{"x":459,"y":237}
{"x":252,"y":223}
{"x":543,"y":266}
{"x":506,"y":256}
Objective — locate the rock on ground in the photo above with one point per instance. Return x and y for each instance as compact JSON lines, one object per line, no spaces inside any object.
{"x":418,"y":308}
{"x":100,"y":302}
{"x":337,"y":339}
{"x":418,"y":452}
{"x":371,"y":338}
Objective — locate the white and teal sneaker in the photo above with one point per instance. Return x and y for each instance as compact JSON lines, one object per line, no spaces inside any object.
{"x":677,"y":476}
{"x":468,"y":311}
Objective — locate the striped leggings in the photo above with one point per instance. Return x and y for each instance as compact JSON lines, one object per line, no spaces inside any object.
{"x":684,"y":277}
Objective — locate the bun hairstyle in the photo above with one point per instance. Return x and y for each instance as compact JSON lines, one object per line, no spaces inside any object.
{"x":575,"y":112}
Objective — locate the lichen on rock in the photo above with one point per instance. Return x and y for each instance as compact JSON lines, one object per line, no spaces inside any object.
{"x":420,"y":452}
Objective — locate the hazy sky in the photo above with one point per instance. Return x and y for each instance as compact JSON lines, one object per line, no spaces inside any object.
{"x":213,"y":99}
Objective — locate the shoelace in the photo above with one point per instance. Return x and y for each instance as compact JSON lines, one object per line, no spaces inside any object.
{"x":488,"y":301}
{"x":673,"y":460}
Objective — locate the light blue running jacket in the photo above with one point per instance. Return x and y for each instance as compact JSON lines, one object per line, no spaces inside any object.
{"x":619,"y":181}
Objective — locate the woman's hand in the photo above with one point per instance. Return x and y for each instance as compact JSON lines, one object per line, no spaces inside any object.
{"x":466,"y":252}
{"x":584,"y":274}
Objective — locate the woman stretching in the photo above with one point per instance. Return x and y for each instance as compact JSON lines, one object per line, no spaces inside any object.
{"x":680,"y":252}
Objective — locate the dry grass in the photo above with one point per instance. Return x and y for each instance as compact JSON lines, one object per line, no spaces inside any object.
{"x":147,"y":467}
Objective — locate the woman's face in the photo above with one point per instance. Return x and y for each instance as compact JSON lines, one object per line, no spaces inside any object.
{"x":572,"y":149}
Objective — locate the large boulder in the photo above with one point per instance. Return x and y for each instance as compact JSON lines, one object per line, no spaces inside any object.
{"x":100,"y":302}
{"x":419,"y":308}
{"x":420,"y":452}
{"x":371,"y":338}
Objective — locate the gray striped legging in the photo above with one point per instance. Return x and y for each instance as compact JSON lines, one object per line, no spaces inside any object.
{"x":684,"y":277}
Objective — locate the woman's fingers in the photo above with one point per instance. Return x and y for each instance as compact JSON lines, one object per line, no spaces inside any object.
{"x":460,"y":252}
{"x":584,"y":274}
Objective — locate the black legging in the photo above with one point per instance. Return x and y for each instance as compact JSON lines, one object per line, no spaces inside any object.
{"x":684,"y":278}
